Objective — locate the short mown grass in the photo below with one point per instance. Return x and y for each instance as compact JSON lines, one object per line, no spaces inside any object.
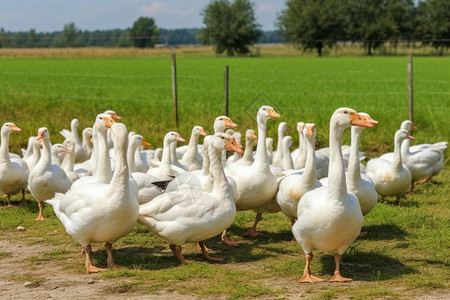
{"x":404,"y":253}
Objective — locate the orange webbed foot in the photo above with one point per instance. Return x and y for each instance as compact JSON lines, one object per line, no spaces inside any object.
{"x":338,"y":278}
{"x":93,"y":269}
{"x":252,"y":233}
{"x":309,"y":279}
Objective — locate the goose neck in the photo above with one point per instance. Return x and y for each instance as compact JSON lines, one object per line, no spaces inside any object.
{"x":337,"y":186}
{"x":261,"y":150}
{"x":4,"y":147}
{"x":310,"y":166}
{"x":103,"y":172}
{"x":220,"y":187}
{"x":354,"y":169}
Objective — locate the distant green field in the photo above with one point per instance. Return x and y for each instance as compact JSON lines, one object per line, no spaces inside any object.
{"x":51,"y":91}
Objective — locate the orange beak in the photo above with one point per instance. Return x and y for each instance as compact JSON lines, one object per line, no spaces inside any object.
{"x":109,"y":122}
{"x":358,"y":120}
{"x":410,"y":137}
{"x":178,"y":138}
{"x":116,"y":116}
{"x":274,"y":114}
{"x":40,"y":135}
{"x":253,"y":135}
{"x":413,"y":127}
{"x":230,"y":124}
{"x":310,"y":130}
{"x":232,"y":145}
{"x":202,"y":132}
{"x":145,"y":143}
{"x":15,"y":128}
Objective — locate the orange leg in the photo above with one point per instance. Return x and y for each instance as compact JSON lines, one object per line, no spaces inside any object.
{"x":252,"y":231}
{"x":110,"y":259}
{"x":307,"y":276}
{"x":40,"y":216}
{"x":9,"y":201}
{"x":337,"y":274}
{"x":176,"y":249}
{"x":206,"y":255}
{"x":226,"y":239}
{"x":90,"y":268}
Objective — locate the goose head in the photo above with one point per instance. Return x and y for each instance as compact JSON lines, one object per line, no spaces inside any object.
{"x":345,"y":117}
{"x":250,"y":137}
{"x":113,"y":114}
{"x":43,"y":134}
{"x":408,"y":125}
{"x":266,"y":112}
{"x":223,"y":122}
{"x":401,"y":135}
{"x":69,"y":145}
{"x":309,"y":130}
{"x":199,"y":130}
{"x":74,"y":124}
{"x":173,"y":136}
{"x":59,"y":148}
{"x":10,"y":127}
{"x":104,"y":121}
{"x":228,"y":143}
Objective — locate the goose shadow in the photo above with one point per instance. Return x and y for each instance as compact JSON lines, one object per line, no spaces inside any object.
{"x":366,"y":266}
{"x":379,"y":232}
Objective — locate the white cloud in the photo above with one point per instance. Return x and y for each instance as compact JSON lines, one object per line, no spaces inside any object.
{"x":157,"y":8}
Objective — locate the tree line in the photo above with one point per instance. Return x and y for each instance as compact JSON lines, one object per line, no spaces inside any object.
{"x":230,"y":26}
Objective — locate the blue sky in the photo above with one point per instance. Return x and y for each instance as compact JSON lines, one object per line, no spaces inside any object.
{"x":52,"y":15}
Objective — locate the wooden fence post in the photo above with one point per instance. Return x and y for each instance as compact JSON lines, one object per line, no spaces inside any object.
{"x":410,"y":88}
{"x":226,"y":89}
{"x":174,"y":88}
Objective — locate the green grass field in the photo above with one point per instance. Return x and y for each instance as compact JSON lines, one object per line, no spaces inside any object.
{"x":404,"y":255}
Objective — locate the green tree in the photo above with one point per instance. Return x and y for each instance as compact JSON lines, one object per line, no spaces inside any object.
{"x":144,"y":33}
{"x":312,"y":24}
{"x":374,"y":22}
{"x":434,"y":23}
{"x":70,"y":34}
{"x":230,"y":26}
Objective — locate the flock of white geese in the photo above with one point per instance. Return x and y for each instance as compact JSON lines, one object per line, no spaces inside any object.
{"x":100,"y":186}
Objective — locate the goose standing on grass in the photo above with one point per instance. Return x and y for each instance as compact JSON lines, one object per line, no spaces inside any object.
{"x":256,"y":185}
{"x":423,"y":160}
{"x":357,"y":183}
{"x":391,"y":177}
{"x":277,"y":159}
{"x":330,"y":218}
{"x":100,"y":212}
{"x":292,"y":187}
{"x":185,"y":216}
{"x":46,"y":178}
{"x":13,"y":170}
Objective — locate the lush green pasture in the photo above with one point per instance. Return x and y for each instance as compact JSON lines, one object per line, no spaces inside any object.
{"x":50,"y":92}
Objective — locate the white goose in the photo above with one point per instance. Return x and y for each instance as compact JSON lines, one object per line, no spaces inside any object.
{"x":250,"y":142}
{"x":391,"y":178}
{"x":68,"y":161}
{"x":423,"y":160}
{"x":102,"y":172}
{"x":184,"y":216}
{"x":13,"y":170}
{"x":358,"y":183}
{"x":46,"y":178}
{"x":256,"y":185}
{"x":146,"y":189}
{"x":80,"y":152}
{"x":35,"y":153}
{"x":288,"y":163}
{"x":165,"y":170}
{"x":330,"y":218}
{"x":100,"y":212}
{"x":192,"y":158}
{"x":299,"y":154}
{"x":277,"y":159}
{"x":294,"y":186}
